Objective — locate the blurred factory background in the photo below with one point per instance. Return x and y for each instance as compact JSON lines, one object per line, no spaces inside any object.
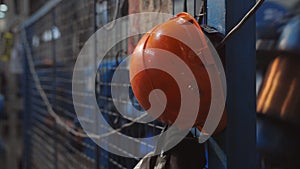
{"x":48,"y":35}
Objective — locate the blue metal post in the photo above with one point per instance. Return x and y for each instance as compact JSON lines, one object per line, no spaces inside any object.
{"x":97,"y":148}
{"x":54,"y":93}
{"x":240,"y":72}
{"x":27,"y":110}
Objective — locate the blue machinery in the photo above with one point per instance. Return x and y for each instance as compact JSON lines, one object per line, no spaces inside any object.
{"x":56,"y":33}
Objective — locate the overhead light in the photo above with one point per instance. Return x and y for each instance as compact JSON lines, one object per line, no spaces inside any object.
{"x":2,"y":15}
{"x":3,"y":7}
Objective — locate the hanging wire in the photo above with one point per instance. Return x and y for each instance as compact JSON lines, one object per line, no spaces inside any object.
{"x":241,"y":22}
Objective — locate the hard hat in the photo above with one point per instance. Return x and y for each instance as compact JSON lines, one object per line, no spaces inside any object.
{"x":149,"y":79}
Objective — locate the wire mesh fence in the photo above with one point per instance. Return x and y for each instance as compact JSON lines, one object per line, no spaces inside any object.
{"x":53,"y":42}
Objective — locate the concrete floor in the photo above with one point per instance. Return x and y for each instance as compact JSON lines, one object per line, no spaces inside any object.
{"x":10,"y":128}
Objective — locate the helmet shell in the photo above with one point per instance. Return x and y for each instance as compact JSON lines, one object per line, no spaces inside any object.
{"x":149,"y":79}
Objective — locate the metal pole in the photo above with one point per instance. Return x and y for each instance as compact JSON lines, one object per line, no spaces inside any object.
{"x":205,"y":11}
{"x":240,"y":72}
{"x":54,"y":74}
{"x":173,"y":7}
{"x":97,"y":148}
{"x":27,"y":110}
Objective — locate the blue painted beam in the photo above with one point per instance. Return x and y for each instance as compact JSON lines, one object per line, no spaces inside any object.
{"x":216,"y":14}
{"x":241,"y":100}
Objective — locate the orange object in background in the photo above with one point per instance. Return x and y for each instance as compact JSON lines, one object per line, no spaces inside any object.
{"x":279,"y":94}
{"x":149,"y":79}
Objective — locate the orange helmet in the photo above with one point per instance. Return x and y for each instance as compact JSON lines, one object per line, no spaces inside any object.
{"x":149,"y":79}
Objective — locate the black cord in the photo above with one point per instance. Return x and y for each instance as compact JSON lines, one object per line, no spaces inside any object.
{"x":185,"y":6}
{"x":242,"y":21}
{"x":205,"y":12}
{"x":202,"y":13}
